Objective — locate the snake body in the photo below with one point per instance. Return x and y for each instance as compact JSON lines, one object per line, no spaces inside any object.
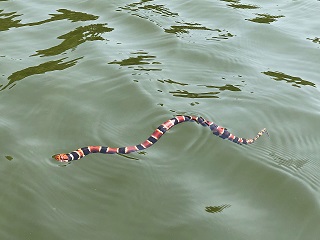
{"x":155,"y":136}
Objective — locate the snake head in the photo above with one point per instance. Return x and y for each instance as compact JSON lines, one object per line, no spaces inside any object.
{"x":62,"y":157}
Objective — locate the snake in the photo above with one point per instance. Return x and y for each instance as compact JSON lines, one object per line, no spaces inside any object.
{"x":155,"y":136}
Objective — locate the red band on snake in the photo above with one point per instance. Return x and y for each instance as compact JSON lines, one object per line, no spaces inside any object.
{"x":155,"y":136}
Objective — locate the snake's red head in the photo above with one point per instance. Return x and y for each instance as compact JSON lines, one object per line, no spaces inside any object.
{"x":62,"y":157}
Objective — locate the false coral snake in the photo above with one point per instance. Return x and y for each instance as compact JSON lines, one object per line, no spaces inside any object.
{"x":155,"y":136}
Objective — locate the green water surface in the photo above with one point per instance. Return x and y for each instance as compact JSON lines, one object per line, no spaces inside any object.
{"x":74,"y":74}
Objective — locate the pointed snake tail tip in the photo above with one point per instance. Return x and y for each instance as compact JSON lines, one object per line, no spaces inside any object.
{"x":266,"y":131}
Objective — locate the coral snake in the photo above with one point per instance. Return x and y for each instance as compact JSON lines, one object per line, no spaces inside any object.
{"x":155,"y":136}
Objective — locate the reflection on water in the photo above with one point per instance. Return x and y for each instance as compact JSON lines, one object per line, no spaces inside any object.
{"x":7,"y":19}
{"x":239,"y":5}
{"x":315,"y":40}
{"x":158,"y":8}
{"x":186,"y":94}
{"x":222,"y":35}
{"x":163,"y":16}
{"x":65,"y":14}
{"x":173,"y":82}
{"x":9,"y":158}
{"x":217,"y":209}
{"x":185,"y":27}
{"x":76,"y":37}
{"x":296,"y":81}
{"x":265,"y":18}
{"x":229,"y":87}
{"x":70,"y":41}
{"x":40,"y":69}
{"x":139,"y":58}
{"x":243,"y":6}
{"x":261,"y":17}
{"x":135,"y":9}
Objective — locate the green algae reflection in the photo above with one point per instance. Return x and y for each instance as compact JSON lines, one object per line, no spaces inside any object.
{"x":40,"y":69}
{"x":70,"y":41}
{"x":7,"y":20}
{"x":76,"y":37}
{"x":296,"y":81}
{"x":238,"y":5}
{"x":138,"y":59}
{"x":217,"y":209}
{"x":265,"y":18}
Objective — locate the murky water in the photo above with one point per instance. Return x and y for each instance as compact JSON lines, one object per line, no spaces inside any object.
{"x":110,"y":72}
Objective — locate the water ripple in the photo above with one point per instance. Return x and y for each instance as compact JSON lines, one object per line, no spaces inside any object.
{"x":171,"y":22}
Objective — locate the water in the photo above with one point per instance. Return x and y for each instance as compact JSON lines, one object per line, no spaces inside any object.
{"x":109,"y":72}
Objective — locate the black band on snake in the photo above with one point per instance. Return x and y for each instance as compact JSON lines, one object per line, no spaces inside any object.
{"x":155,"y":136}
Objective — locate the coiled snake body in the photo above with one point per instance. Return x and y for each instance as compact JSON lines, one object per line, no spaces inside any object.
{"x":155,"y":136}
